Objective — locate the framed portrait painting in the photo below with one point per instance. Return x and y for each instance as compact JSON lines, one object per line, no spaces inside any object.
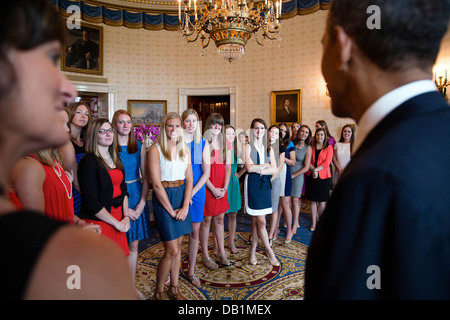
{"x":83,"y":50}
{"x":147,"y":111}
{"x":286,"y":107}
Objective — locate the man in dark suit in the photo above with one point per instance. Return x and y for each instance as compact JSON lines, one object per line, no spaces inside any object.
{"x":385,"y":233}
{"x":286,"y":113}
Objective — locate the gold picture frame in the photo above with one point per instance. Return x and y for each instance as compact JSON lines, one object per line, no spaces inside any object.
{"x":147,"y":111}
{"x":286,"y":106}
{"x":83,"y":50}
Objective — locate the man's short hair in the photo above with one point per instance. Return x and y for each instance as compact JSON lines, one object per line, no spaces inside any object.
{"x":410,"y":31}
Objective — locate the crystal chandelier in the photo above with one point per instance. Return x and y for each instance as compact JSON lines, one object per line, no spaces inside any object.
{"x":230,"y":23}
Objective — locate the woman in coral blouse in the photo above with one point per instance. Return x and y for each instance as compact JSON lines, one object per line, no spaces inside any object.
{"x":318,"y":177}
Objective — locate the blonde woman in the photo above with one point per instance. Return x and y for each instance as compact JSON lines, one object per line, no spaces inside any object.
{"x":103,"y":188}
{"x":201,"y":167}
{"x":170,"y":169}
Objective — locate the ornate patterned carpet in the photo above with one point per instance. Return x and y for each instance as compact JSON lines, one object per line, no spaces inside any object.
{"x":242,"y":281}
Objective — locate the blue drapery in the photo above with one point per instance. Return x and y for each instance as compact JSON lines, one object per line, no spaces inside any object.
{"x":157,"y":20}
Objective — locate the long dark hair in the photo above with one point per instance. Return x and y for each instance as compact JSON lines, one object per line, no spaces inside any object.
{"x":308,"y":140}
{"x":216,"y":118}
{"x":266,"y":141}
{"x":285,"y":140}
{"x":352,"y":139}
{"x":276,"y":148}
{"x":234,"y":146}
{"x":325,"y":142}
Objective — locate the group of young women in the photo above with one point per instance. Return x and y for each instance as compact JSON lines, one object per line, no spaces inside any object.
{"x":196,"y":182}
{"x":101,"y":178}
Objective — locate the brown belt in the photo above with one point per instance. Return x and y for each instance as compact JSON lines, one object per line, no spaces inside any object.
{"x":172,"y":184}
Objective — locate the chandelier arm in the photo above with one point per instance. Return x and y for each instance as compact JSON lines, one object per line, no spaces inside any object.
{"x":191,"y":40}
{"x":274,"y":37}
{"x":257,"y":41}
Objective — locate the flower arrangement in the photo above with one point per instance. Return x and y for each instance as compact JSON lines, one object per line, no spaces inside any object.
{"x":146,"y":133}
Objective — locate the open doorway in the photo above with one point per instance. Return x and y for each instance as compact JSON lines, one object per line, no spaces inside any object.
{"x":205,"y":105}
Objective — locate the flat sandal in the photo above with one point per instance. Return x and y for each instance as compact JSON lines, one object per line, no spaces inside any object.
{"x":223,"y":260}
{"x":194,"y":279}
{"x":210,"y":264}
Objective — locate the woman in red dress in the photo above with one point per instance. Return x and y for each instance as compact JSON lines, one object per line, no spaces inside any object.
{"x":103,"y":189}
{"x":40,"y":183}
{"x":216,"y":201}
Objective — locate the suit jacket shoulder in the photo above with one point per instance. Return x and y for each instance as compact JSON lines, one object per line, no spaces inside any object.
{"x":390,"y":209}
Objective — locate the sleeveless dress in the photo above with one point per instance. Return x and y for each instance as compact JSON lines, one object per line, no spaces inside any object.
{"x":213,"y":206}
{"x":108,"y":230}
{"x":79,"y":153}
{"x":234,"y":191}
{"x":342,"y":151}
{"x":57,"y":190}
{"x":24,"y":235}
{"x":198,"y":200}
{"x":168,"y":227}
{"x":297,"y":182}
{"x":285,"y":175}
{"x":140,"y":228}
{"x":276,"y":183}
{"x":257,"y":188}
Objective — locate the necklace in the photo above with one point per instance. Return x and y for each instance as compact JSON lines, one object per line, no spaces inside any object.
{"x":59,"y":173}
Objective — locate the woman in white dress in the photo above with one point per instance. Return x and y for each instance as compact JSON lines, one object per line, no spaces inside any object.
{"x":342,"y":150}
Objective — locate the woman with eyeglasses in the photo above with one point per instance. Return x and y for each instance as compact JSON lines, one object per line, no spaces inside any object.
{"x":102,"y":182}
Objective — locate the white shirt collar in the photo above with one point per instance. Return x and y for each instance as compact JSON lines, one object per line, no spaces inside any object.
{"x":387,"y":103}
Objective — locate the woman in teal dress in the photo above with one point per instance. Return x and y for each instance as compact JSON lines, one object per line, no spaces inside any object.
{"x":234,"y":191}
{"x":132,"y":153}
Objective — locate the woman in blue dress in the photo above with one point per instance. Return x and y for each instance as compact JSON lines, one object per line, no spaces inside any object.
{"x":132,"y":153}
{"x":286,"y":179}
{"x":200,"y":159}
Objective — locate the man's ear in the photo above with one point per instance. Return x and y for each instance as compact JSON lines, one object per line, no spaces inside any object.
{"x":344,"y":43}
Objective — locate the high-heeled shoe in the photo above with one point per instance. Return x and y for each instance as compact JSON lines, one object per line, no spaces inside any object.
{"x":275,"y":263}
